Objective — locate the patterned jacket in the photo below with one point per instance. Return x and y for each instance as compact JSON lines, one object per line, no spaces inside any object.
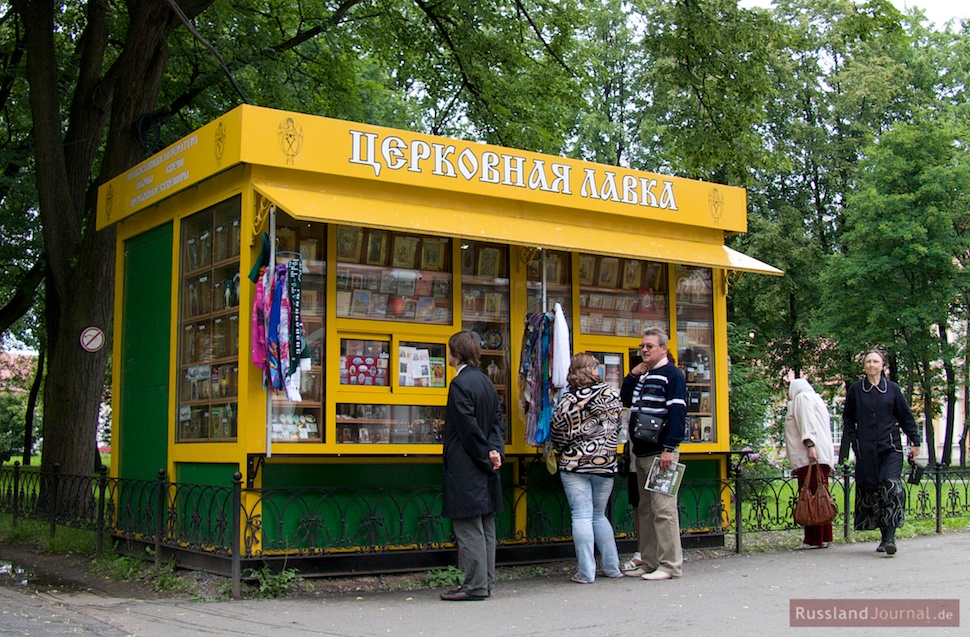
{"x":584,"y":429}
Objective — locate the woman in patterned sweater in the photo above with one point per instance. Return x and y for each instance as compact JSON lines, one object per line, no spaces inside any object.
{"x":584,"y":432}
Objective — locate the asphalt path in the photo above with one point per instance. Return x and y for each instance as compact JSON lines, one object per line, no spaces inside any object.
{"x":737,"y":595}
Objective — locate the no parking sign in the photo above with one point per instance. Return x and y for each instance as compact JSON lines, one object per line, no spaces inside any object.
{"x":92,"y":339}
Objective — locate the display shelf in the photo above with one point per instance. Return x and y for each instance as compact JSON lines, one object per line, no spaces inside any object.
{"x":695,"y":354}
{"x":621,"y":297}
{"x":485,"y":298}
{"x":398,"y":277}
{"x":302,"y":421}
{"x":387,"y":424}
{"x":208,"y":344}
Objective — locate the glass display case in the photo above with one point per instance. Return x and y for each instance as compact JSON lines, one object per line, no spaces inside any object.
{"x":208,"y":350}
{"x":485,"y":310}
{"x":386,"y":424}
{"x":365,"y":363}
{"x":621,"y":297}
{"x":695,"y":349}
{"x":611,"y":368}
{"x":558,"y":270}
{"x":389,"y":276}
{"x":302,"y":420}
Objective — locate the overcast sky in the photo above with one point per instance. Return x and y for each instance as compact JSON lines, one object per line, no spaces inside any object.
{"x":937,"y":11}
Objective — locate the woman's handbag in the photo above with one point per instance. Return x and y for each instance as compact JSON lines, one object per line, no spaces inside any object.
{"x":646,"y":428}
{"x":815,"y":509}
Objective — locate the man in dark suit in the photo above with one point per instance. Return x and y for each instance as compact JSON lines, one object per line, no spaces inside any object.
{"x":474,"y":447}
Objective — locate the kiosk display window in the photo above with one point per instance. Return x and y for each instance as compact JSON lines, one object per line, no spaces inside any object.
{"x":208,"y":344}
{"x":485,"y":293}
{"x":303,"y":420}
{"x":385,"y":424}
{"x":621,"y":297}
{"x":695,"y":349}
{"x":392,"y":276}
{"x":558,"y":275}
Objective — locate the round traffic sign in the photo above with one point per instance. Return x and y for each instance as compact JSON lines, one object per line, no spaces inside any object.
{"x":92,"y":339}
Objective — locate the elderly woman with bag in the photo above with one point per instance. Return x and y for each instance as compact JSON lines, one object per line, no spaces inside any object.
{"x":808,"y":441}
{"x":584,"y":431}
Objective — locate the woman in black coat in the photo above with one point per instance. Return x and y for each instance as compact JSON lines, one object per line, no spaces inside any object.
{"x":875,"y":412}
{"x":474,"y":448}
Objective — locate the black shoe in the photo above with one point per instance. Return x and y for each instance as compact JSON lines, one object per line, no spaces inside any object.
{"x":461,"y":596}
{"x":881,"y":548}
{"x":890,"y":547}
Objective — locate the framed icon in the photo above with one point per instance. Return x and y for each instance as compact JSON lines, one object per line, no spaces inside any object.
{"x":432,"y":254}
{"x":468,"y":260}
{"x":587,"y":265}
{"x":631,"y":275}
{"x":404,"y":252}
{"x":609,"y":267}
{"x":349,"y":244}
{"x":488,"y":262}
{"x":376,"y":247}
{"x":553,"y":268}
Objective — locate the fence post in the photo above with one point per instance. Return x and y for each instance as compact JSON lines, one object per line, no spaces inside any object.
{"x":55,"y":499}
{"x":159,"y":516}
{"x":235,"y":543}
{"x":737,"y":505}
{"x":938,"y":478}
{"x":846,"y":527}
{"x":99,"y":528}
{"x":16,"y":491}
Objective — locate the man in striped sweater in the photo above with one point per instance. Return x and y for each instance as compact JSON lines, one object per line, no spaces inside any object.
{"x":657,"y":387}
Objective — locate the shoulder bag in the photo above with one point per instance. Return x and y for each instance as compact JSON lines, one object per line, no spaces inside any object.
{"x":646,"y":428}
{"x":815,"y":509}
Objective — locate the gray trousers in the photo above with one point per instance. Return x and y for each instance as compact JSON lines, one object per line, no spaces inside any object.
{"x":475,"y":537}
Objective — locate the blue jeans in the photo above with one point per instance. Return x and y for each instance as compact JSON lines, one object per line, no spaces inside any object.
{"x":588,"y":495}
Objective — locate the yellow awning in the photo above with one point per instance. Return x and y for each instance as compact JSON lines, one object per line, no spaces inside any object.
{"x":571,"y":232}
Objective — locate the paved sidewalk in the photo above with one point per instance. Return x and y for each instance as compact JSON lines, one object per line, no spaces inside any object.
{"x":732,"y":596}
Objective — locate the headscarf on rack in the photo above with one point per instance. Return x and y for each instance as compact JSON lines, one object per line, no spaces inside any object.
{"x":278,"y":345}
{"x":544,"y":345}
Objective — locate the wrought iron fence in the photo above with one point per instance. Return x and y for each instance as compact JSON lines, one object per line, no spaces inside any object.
{"x":247,"y":526}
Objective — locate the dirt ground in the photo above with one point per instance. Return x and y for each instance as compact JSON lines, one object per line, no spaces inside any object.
{"x":25,"y":566}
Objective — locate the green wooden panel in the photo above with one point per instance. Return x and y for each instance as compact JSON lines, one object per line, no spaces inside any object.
{"x":141,"y":427}
{"x":351,"y":475}
{"x":214,"y":474}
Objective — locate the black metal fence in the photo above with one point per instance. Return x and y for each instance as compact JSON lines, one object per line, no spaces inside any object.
{"x":227,"y":529}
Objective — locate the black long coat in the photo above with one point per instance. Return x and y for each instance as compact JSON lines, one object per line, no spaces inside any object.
{"x":871,"y":423}
{"x":473,"y":427}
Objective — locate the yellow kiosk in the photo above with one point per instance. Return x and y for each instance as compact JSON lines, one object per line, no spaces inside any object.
{"x":401,"y":239}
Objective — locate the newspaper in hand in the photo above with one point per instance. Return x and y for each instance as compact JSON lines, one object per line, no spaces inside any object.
{"x":666,"y":482}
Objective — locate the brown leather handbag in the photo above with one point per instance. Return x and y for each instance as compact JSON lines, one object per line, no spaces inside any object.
{"x":815,"y":509}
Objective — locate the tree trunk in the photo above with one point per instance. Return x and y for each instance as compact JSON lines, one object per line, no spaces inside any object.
{"x":928,"y":411}
{"x":951,"y":399}
{"x":80,"y":260}
{"x":31,"y":407}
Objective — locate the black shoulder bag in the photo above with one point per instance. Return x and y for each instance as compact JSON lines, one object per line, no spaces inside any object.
{"x":646,"y":428}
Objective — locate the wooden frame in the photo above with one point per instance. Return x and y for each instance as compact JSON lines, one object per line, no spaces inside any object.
{"x":631,"y":275}
{"x":488,"y":262}
{"x":609,"y":267}
{"x":587,"y":267}
{"x":376,"y":247}
{"x":553,"y":268}
{"x":432,"y":255}
{"x":349,"y":242}
{"x":404,"y":252}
